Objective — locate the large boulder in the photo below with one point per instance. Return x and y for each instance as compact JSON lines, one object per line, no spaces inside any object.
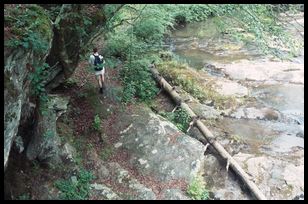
{"x":159,"y":149}
{"x":45,"y":143}
{"x":256,"y":113}
{"x":227,"y":87}
{"x":277,"y":179}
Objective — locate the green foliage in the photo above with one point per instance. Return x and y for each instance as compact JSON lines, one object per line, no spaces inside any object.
{"x":97,"y":123}
{"x":189,"y":81}
{"x":115,"y":93}
{"x":37,"y":79}
{"x":79,"y":22}
{"x":29,"y":42}
{"x":193,"y":12}
{"x":53,"y":11}
{"x":196,"y":190}
{"x":90,"y":146}
{"x":137,"y":81}
{"x":24,"y":196}
{"x":145,"y":26}
{"x":112,"y":62}
{"x":78,"y":159}
{"x":182,"y":119}
{"x":138,"y":44}
{"x":30,"y":26}
{"x":153,"y":23}
{"x":70,"y":82}
{"x":137,"y":31}
{"x":71,"y":190}
{"x":179,"y":117}
{"x":118,"y":45}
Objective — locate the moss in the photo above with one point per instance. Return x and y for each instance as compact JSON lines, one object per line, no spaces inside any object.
{"x":28,"y":24}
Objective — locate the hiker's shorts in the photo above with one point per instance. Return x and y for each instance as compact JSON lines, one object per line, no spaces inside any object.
{"x":101,"y":72}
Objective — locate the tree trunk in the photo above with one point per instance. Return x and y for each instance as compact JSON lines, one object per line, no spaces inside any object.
{"x":209,"y":136}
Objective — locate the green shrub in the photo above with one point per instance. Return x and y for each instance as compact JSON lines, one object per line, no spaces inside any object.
{"x":137,"y":81}
{"x":118,"y":45}
{"x":179,"y":117}
{"x":24,"y":196}
{"x":97,"y":123}
{"x":31,"y":27}
{"x":38,"y":80}
{"x":70,"y":82}
{"x":196,"y":190}
{"x":75,"y":190}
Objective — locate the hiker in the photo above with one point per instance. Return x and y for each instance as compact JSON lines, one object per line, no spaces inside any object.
{"x":97,"y":61}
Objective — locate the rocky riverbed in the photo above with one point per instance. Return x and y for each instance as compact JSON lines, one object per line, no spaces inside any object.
{"x":265,"y":134}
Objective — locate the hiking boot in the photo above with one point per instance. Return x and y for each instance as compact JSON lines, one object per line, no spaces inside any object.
{"x":101,"y":90}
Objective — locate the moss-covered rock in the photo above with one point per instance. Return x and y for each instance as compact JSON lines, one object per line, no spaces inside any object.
{"x":29,"y":26}
{"x":28,"y":36}
{"x":45,"y":145}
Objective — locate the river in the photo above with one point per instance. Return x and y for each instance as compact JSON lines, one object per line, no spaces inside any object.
{"x":266,"y":135}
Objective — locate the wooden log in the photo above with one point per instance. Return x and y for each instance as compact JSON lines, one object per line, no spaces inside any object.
{"x":208,"y":135}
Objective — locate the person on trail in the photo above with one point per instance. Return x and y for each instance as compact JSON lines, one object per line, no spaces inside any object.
{"x":97,"y":61}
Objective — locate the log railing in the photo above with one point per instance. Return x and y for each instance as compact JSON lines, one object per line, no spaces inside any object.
{"x":208,"y":135}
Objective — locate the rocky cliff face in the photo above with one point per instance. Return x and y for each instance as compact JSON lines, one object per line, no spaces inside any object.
{"x":34,"y":35}
{"x":17,"y":104}
{"x":45,"y":143}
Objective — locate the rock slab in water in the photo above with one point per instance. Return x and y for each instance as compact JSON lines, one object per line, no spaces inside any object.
{"x":265,"y":71}
{"x":277,"y":179}
{"x":254,"y":113}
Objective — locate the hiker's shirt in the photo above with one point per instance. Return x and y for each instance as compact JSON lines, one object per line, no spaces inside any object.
{"x":92,"y":60}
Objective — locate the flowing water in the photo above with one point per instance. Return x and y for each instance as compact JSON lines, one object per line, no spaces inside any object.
{"x":275,"y":86}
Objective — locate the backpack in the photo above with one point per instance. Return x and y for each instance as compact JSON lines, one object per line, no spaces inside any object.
{"x":98,"y":63}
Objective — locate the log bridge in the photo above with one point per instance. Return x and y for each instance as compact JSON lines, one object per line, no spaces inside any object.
{"x":210,"y":138}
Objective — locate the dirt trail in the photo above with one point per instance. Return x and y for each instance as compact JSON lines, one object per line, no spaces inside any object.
{"x":109,"y":108}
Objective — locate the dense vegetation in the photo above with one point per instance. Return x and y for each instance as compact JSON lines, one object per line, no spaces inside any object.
{"x":76,"y":188}
{"x":136,"y":34}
